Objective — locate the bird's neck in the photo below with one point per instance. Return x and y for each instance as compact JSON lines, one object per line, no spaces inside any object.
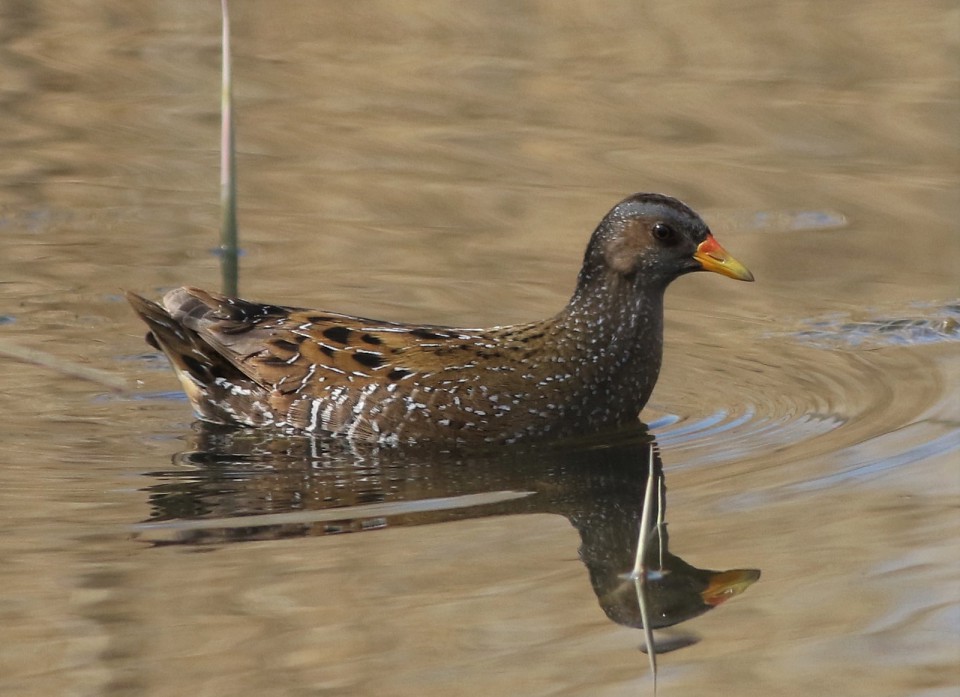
{"x":615,"y":328}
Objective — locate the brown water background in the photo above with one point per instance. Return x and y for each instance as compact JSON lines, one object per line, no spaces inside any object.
{"x":445,"y":162}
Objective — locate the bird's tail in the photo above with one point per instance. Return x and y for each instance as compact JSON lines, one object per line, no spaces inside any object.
{"x":206,"y":376}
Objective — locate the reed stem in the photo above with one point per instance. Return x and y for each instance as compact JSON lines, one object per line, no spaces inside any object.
{"x":229,"y":249}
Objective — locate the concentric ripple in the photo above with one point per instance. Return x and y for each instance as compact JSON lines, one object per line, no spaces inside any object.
{"x":784,"y":398}
{"x":924,"y":324}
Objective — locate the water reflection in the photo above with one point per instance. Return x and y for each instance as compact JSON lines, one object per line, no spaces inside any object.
{"x":237,"y":485}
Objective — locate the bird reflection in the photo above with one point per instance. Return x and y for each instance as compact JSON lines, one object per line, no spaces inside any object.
{"x":236,"y":485}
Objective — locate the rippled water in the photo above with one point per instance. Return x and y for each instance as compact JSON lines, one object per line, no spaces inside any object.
{"x":445,"y":163}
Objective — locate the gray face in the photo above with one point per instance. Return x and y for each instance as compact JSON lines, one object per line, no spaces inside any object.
{"x":650,"y":236}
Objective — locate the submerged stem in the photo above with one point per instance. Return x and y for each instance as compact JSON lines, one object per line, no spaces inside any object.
{"x":639,"y":573}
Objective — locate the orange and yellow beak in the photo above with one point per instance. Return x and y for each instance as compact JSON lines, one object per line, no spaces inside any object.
{"x":713,"y":257}
{"x":724,"y":585}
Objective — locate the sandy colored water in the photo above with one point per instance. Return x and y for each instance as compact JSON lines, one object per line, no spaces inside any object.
{"x":446,"y":162}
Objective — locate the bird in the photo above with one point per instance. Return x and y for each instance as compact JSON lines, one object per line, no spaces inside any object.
{"x":588,"y":369}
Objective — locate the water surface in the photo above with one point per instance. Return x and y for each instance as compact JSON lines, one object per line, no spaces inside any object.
{"x":445,"y":163}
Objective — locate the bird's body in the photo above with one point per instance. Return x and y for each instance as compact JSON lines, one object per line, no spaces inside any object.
{"x":588,"y":368}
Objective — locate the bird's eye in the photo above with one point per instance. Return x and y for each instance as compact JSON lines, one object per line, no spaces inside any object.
{"x":664,"y":233}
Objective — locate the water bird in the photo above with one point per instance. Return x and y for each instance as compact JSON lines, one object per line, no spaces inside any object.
{"x":589,"y":368}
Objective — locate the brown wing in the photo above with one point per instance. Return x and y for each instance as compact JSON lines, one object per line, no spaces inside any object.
{"x":368,"y":379}
{"x":290,"y":349}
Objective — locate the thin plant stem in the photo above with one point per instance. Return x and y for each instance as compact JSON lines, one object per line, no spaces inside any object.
{"x":639,"y":573}
{"x":229,"y":249}
{"x":112,"y":382}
